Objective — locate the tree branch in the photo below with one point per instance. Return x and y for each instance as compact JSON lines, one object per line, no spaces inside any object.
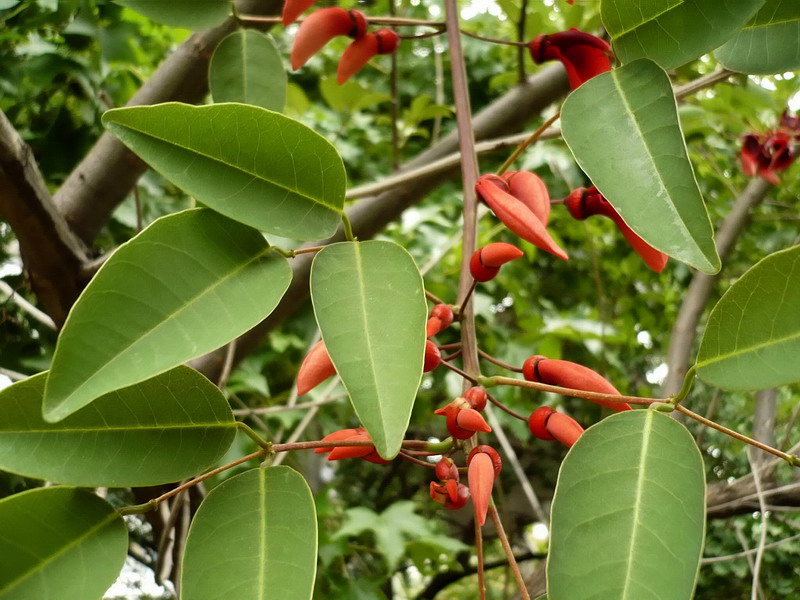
{"x":52,"y":255}
{"x":684,"y":332}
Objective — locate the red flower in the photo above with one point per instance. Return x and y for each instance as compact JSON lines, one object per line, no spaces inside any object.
{"x":339,"y":452}
{"x":484,"y":465}
{"x":463,"y":421}
{"x":547,"y":424}
{"x":322,"y":26}
{"x":585,"y":202}
{"x":766,"y":155}
{"x":582,"y":54}
{"x":751,"y":149}
{"x":357,"y":54}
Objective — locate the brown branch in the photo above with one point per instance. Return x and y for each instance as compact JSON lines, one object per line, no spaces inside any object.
{"x":52,"y":255}
{"x":684,"y":332}
{"x":107,"y":174}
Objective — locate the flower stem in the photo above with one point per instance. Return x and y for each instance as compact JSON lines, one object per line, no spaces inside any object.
{"x":521,"y":148}
{"x":544,"y":387}
{"x":512,"y":562}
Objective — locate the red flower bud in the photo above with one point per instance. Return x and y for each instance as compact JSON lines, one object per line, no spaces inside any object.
{"x":462,"y":421}
{"x":293,"y":9}
{"x":570,"y":375}
{"x":547,"y":424}
{"x":515,"y":214}
{"x":446,"y":469}
{"x":433,"y":358}
{"x":368,"y":453}
{"x":441,"y":318}
{"x":529,"y":189}
{"x":357,"y":54}
{"x":585,"y":202}
{"x":320,"y":27}
{"x":444,"y":496}
{"x":582,"y":54}
{"x":484,"y":466}
{"x":316,"y":368}
{"x":485,"y":262}
{"x":471,"y":420}
{"x":476,"y":397}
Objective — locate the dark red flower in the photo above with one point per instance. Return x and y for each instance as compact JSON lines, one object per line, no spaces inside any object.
{"x":768,"y":154}
{"x":751,"y":149}
{"x":582,"y":54}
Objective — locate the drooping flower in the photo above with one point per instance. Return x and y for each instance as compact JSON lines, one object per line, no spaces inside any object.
{"x":357,"y":54}
{"x":582,"y":54}
{"x":463,"y":421}
{"x":320,"y":27}
{"x":368,"y":453}
{"x":585,"y":202}
{"x":483,"y":467}
{"x":768,"y":154}
{"x":547,"y":424}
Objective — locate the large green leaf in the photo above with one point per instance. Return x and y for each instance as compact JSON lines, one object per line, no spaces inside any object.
{"x":628,"y":512}
{"x":189,"y":14}
{"x":647,"y":176}
{"x":769,"y":43}
{"x":254,"y":537}
{"x":370,"y":307}
{"x":184,"y":286}
{"x":59,"y":542}
{"x":247,"y":67}
{"x":164,"y":429}
{"x":253,"y":165}
{"x":672,"y":32}
{"x":752,"y":339}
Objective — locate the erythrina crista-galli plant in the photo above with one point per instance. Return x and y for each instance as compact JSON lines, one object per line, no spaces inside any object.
{"x":117,"y":407}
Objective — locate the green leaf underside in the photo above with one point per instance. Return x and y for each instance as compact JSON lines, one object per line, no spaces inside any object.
{"x":648,"y":178}
{"x":250,"y":164}
{"x":247,"y":67}
{"x":628,"y":513}
{"x":59,"y":542}
{"x":752,"y":339}
{"x":254,"y":537}
{"x":673,"y":32}
{"x":165,"y":429}
{"x":769,"y":43}
{"x":370,"y":306}
{"x":186,"y":285}
{"x":188,"y":14}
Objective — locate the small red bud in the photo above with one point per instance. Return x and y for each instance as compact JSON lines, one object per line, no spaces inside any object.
{"x":497,"y":463}
{"x":446,"y":469}
{"x":471,"y":420}
{"x":476,"y":396}
{"x":441,"y":318}
{"x":433,"y":358}
{"x":316,"y":368}
{"x":537,"y":422}
{"x":484,"y":466}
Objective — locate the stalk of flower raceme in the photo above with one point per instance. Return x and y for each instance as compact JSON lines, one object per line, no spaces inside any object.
{"x":585,"y":202}
{"x":583,"y":55}
{"x":571,"y":375}
{"x":358,"y":54}
{"x":515,"y":214}
{"x":322,"y":26}
{"x":316,"y":368}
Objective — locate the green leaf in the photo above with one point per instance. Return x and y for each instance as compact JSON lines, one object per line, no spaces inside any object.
{"x":647,"y":177}
{"x":672,"y":32}
{"x":186,"y":285}
{"x":769,"y":43}
{"x":752,"y":339}
{"x":247,"y":67}
{"x":350,"y":96}
{"x":250,"y":164}
{"x":254,"y":537}
{"x":370,"y":306}
{"x":189,"y":14}
{"x":59,"y":542}
{"x":628,"y":513}
{"x":161,"y":430}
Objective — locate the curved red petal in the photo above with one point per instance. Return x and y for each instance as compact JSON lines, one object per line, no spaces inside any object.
{"x":316,"y":368}
{"x":318,"y":28}
{"x":471,"y":420}
{"x":480,"y":474}
{"x":529,"y":189}
{"x":355,"y":56}
{"x":564,"y":428}
{"x":293,"y":9}
{"x":537,"y":422}
{"x":497,"y":254}
{"x":577,"y":377}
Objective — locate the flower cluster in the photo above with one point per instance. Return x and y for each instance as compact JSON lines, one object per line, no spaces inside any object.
{"x":767,"y":154}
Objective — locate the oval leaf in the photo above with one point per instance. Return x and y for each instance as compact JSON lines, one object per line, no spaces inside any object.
{"x":628,"y":512}
{"x":253,"y":165}
{"x":370,"y":307}
{"x":672,"y":32}
{"x":189,"y":14}
{"x":161,"y":430}
{"x":648,"y":178}
{"x":247,"y":67}
{"x":184,"y":286}
{"x":769,"y":43}
{"x":752,"y":339}
{"x":59,"y":542}
{"x":253,"y":537}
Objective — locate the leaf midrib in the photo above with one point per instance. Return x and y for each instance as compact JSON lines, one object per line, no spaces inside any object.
{"x":645,"y":22}
{"x":227,"y":164}
{"x":747,"y":349}
{"x":220,"y":424}
{"x":123,"y":352}
{"x":638,"y":500}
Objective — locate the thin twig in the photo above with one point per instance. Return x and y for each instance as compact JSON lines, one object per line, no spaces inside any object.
{"x":227,"y":365}
{"x":712,"y":407}
{"x":416,"y":461}
{"x":715,"y":559}
{"x":479,"y":554}
{"x":388,"y":21}
{"x":498,"y":362}
{"x":12,"y":375}
{"x":512,"y":562}
{"x":762,"y":540}
{"x":505,"y":408}
{"x":555,"y":389}
{"x":463,"y":374}
{"x":433,"y":298}
{"x":521,"y":148}
{"x":790,"y":425}
{"x":483,"y":38}
{"x":792,"y":460}
{"x":270,"y":410}
{"x":26,"y":306}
